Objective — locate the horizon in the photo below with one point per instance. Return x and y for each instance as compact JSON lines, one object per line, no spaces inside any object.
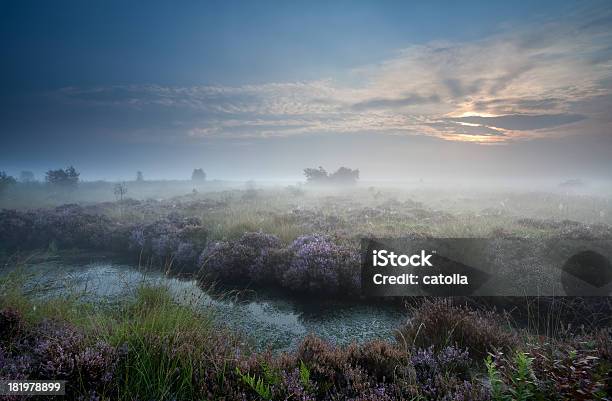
{"x":244,"y":91}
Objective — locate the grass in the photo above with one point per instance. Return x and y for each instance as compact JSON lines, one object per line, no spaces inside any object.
{"x":450,"y":212}
{"x":179,"y":352}
{"x":168,"y":351}
{"x":166,"y":341}
{"x":148,"y":324}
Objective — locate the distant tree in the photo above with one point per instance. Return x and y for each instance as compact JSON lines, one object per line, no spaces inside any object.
{"x":316,"y":175}
{"x":345,"y":176}
{"x":139,"y":176}
{"x":120,"y":190}
{"x":26,"y":177}
{"x":67,"y":178}
{"x":342,"y":176}
{"x":6,"y":181}
{"x":198,"y":175}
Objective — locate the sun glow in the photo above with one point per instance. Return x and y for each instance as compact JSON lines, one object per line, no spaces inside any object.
{"x":480,"y":139}
{"x":475,"y":114}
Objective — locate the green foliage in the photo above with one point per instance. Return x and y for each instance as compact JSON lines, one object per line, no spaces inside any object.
{"x":304,"y":374}
{"x":495,"y":380}
{"x":257,"y":384}
{"x":164,"y":342}
{"x":522,"y":384}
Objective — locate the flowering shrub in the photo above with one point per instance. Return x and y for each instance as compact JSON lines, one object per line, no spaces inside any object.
{"x":252,"y":257}
{"x":319,"y":264}
{"x":312,"y":263}
{"x":445,"y":375}
{"x":186,"y":254}
{"x":14,"y":366}
{"x":58,"y":351}
{"x":69,"y":226}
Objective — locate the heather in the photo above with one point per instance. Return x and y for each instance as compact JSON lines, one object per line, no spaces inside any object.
{"x":310,"y":263}
{"x":293,"y":240}
{"x":150,"y":347}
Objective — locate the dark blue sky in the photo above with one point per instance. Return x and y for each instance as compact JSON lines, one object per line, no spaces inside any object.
{"x":242,"y":89}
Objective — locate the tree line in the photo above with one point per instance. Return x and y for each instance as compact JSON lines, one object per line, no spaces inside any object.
{"x":342,"y":176}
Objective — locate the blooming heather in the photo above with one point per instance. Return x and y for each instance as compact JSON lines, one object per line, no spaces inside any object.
{"x":319,"y":264}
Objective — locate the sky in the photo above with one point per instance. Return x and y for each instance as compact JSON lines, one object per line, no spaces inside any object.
{"x":262,"y":90}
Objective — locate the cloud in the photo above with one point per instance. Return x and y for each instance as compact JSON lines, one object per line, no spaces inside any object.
{"x":451,"y":128}
{"x":522,"y":122}
{"x":382,"y":103}
{"x":523,"y":83}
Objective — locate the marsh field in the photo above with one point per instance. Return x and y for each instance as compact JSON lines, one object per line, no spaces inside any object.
{"x":175,"y":290}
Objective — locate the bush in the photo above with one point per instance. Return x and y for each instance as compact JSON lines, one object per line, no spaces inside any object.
{"x":320,"y":265}
{"x":380,"y":359}
{"x":11,"y":323}
{"x":250,"y":258}
{"x":68,"y":226}
{"x":439,"y":323}
{"x":578,"y":368}
{"x":311,"y":264}
{"x":57,"y":351}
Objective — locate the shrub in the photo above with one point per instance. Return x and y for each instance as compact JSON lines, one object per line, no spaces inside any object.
{"x":576,"y":369}
{"x":320,"y":265}
{"x":359,"y":371}
{"x":251,"y":257}
{"x":60,"y":351}
{"x":379,"y":358}
{"x":11,"y":323}
{"x":440,"y":323}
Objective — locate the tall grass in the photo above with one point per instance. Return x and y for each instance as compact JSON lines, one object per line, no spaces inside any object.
{"x":164,"y":344}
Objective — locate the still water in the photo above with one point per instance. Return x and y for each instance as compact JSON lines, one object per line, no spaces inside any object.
{"x":268,"y":319}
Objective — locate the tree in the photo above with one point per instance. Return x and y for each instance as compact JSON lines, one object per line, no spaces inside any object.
{"x":342,"y":176}
{"x":6,"y":181}
{"x":345,"y":176}
{"x":120,"y":190}
{"x":139,"y":176}
{"x":314,"y":175}
{"x":66,"y":178}
{"x":198,"y":175}
{"x":26,"y":177}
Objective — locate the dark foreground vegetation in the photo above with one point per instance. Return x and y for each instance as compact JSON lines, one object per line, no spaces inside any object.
{"x":149,"y":348}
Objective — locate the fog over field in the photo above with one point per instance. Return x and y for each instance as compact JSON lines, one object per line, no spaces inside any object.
{"x":195,"y":197}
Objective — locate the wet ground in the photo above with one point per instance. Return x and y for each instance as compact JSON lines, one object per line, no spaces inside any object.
{"x":269,"y":319}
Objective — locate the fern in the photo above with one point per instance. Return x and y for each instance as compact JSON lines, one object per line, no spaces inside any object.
{"x":495,"y":380}
{"x":271,"y":376}
{"x":304,"y":374}
{"x":257,"y":384}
